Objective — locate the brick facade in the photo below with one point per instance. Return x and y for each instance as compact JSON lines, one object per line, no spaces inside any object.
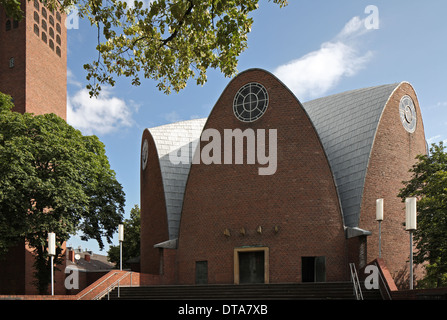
{"x":37,"y":45}
{"x":393,"y":154}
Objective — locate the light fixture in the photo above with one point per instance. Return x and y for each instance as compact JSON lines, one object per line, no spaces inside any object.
{"x":52,"y":253}
{"x":410,"y":225}
{"x":379,"y":218}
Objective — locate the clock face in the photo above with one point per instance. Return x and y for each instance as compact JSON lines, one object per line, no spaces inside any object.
{"x":408,"y":115}
{"x":144,"y":152}
{"x":250,"y":102}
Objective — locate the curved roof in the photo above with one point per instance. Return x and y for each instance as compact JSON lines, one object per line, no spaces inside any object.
{"x":347,"y":124}
{"x":175,"y":145}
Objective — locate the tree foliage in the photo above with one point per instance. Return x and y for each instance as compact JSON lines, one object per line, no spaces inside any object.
{"x":53,"y":179}
{"x":131,"y":243}
{"x":429,"y":185}
{"x":169,"y":41}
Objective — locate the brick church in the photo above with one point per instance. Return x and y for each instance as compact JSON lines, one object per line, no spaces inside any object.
{"x":210,"y":216}
{"x":289,"y":196}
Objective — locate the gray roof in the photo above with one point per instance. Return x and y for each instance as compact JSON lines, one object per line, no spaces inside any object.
{"x":346,"y":124}
{"x":175,"y":144}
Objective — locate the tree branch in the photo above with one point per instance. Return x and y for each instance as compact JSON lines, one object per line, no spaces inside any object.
{"x":180,"y":23}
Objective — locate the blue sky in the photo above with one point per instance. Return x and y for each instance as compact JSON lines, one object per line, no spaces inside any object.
{"x":317,"y":48}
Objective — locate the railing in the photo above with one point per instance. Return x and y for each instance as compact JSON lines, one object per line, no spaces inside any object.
{"x":356,"y":282}
{"x":112,"y":286}
{"x":109,"y":287}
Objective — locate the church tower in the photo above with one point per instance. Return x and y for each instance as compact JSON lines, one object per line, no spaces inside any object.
{"x":33,"y":59}
{"x":33,"y":71}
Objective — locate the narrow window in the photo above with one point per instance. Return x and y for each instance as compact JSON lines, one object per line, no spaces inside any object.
{"x":11,"y":62}
{"x":44,"y":37}
{"x":8,"y":25}
{"x":58,"y":40}
{"x":51,"y":20}
{"x":58,"y":16}
{"x":58,"y":51}
{"x":51,"y":44}
{"x":51,"y":32}
{"x":44,"y":25}
{"x":36,"y":16}
{"x":58,"y":27}
{"x":201,"y":272}
{"x":36,"y":4}
{"x":36,"y":29}
{"x":44,"y":13}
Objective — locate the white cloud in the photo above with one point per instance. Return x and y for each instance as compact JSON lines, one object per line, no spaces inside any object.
{"x":101,"y":115}
{"x":315,"y":73}
{"x":172,"y":117}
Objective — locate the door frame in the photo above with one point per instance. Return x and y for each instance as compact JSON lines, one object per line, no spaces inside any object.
{"x":251,"y":249}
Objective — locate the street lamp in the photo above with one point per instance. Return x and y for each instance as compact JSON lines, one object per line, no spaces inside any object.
{"x":121,"y":239}
{"x":410,"y":225}
{"x":52,"y":253}
{"x":379,"y":218}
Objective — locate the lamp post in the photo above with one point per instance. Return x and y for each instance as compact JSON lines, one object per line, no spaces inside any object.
{"x":52,"y":253}
{"x":379,"y":218}
{"x":410,"y":225}
{"x":121,"y":239}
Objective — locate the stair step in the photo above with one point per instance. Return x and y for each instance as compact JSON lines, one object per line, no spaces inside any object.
{"x":298,"y":291}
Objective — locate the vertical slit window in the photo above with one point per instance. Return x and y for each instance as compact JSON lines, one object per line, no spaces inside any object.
{"x":44,"y":37}
{"x":51,"y":44}
{"x":58,"y":40}
{"x":44,"y":25}
{"x":36,"y":16}
{"x":36,"y":29}
{"x":58,"y":51}
{"x":51,"y":32}
{"x":58,"y":27}
{"x":51,"y":20}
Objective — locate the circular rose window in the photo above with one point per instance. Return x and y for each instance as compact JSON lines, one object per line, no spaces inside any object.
{"x":250,"y":102}
{"x":407,"y":114}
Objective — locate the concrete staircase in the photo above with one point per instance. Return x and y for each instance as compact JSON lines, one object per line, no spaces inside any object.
{"x":296,"y":291}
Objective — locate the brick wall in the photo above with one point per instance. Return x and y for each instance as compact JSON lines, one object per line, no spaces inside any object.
{"x":392,"y":155}
{"x":299,"y":199}
{"x":38,"y":80}
{"x":154,"y":225}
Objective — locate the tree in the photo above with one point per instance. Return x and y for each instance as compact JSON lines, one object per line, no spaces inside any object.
{"x":170,"y":41}
{"x":53,"y":179}
{"x":131,"y":243}
{"x":429,"y":185}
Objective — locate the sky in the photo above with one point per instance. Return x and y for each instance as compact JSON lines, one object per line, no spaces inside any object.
{"x":316,"y":47}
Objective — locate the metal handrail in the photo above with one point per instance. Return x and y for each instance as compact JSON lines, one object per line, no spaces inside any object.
{"x":112,"y":286}
{"x":356,"y":282}
{"x":107,"y":278}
